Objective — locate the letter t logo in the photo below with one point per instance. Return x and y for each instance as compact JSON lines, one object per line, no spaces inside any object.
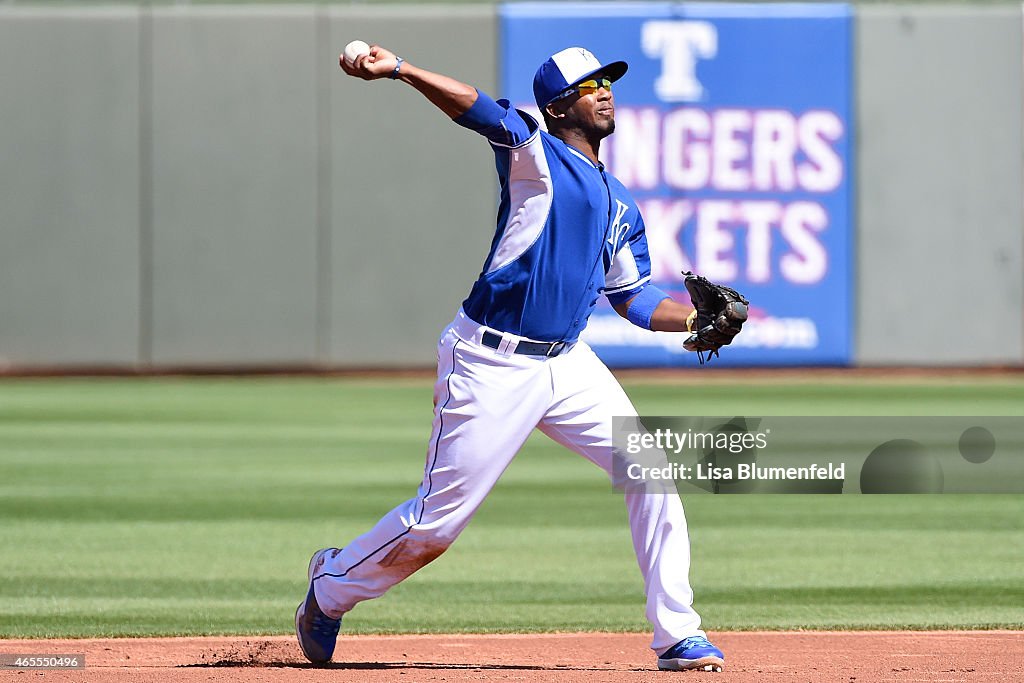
{"x":679,"y":44}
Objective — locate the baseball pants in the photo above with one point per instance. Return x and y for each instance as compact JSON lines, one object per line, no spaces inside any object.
{"x":487,"y":402}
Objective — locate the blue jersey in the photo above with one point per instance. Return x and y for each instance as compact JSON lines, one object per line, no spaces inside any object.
{"x":567,"y":232}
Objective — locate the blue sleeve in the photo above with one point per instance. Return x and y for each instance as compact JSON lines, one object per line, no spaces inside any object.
{"x":641,"y":308}
{"x":498,"y":121}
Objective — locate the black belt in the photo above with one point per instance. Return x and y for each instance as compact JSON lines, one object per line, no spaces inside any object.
{"x":528,"y":348}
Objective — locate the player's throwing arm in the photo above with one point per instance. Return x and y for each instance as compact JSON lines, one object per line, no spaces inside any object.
{"x":372,"y":62}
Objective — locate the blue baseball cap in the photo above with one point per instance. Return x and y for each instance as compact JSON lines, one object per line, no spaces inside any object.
{"x":567,"y":68}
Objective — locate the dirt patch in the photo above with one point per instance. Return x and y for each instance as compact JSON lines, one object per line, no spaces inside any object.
{"x":853,"y":657}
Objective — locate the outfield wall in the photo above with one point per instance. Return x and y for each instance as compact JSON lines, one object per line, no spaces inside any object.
{"x":939,"y":227}
{"x":201,"y":186}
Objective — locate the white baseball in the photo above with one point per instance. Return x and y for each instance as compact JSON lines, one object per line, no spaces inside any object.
{"x":355,"y":50}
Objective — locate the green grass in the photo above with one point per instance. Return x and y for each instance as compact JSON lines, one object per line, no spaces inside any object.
{"x":188,"y":506}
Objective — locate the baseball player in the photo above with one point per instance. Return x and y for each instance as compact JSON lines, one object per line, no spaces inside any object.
{"x":511,"y":360}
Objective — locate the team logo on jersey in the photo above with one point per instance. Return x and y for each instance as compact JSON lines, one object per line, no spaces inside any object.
{"x":618,"y":229}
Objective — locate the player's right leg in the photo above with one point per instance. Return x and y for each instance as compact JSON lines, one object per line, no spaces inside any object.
{"x":587,"y":399}
{"x":486,"y":405}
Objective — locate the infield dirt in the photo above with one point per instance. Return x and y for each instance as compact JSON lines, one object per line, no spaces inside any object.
{"x":848,"y":657}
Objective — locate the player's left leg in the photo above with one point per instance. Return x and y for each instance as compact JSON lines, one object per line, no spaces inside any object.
{"x":586,"y":398}
{"x":486,"y":405}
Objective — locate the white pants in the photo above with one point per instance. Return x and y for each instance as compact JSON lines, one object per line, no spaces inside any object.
{"x":486,"y":405}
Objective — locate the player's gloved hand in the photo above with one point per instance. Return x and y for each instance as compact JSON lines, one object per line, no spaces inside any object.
{"x":721,"y":312}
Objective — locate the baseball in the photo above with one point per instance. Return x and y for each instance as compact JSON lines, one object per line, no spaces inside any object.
{"x":354,"y":50}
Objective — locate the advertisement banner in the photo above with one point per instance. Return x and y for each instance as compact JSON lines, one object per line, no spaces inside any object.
{"x":734,"y":134}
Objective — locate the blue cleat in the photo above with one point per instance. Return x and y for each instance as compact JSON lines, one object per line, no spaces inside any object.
{"x":692,"y":653}
{"x":317,"y":632}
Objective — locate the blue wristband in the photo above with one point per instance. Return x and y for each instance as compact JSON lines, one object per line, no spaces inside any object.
{"x":398,"y":66}
{"x":641,"y":308}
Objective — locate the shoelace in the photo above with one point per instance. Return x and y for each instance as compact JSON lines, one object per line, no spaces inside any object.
{"x":696,"y":641}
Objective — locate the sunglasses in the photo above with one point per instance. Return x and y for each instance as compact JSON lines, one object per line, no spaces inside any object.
{"x":587,"y":88}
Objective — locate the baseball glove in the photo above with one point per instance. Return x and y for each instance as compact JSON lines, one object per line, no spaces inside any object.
{"x":721,"y":312}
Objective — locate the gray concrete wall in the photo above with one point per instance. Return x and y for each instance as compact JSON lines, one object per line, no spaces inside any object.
{"x":202,"y":186}
{"x":940,"y":229}
{"x":414,"y":195}
{"x":234,"y":153}
{"x":69,"y":190}
{"x":194,"y":186}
